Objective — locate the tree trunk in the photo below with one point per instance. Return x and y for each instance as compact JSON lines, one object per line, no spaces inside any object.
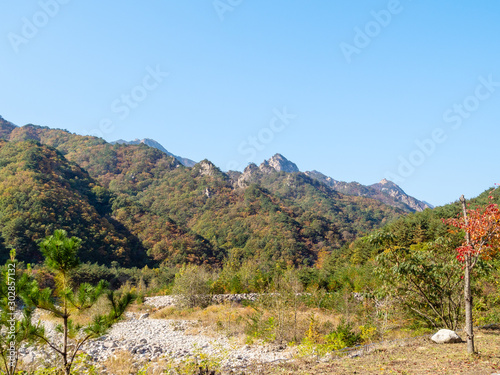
{"x":67,"y":366}
{"x":469,"y":329}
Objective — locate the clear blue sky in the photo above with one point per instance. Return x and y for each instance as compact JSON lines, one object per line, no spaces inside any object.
{"x":365,"y":80}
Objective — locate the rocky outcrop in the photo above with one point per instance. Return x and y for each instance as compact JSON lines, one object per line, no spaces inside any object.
{"x":206,"y":168}
{"x":279,"y":163}
{"x":252,"y":173}
{"x":244,"y":179}
{"x":392,"y":190}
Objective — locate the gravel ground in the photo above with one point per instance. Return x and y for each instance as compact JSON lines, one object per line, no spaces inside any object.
{"x":149,"y":339}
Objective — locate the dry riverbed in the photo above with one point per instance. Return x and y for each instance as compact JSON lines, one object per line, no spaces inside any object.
{"x":146,"y":339}
{"x":141,"y":338}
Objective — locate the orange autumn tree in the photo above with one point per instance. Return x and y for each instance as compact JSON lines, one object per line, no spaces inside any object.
{"x":482,"y":241}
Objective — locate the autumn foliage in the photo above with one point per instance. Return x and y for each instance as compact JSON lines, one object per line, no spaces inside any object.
{"x":483,"y":227}
{"x":136,"y":205}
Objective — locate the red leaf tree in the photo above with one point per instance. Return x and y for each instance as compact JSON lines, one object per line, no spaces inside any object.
{"x":482,"y":240}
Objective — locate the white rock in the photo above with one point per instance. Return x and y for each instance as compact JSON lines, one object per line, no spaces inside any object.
{"x":109,"y":344}
{"x":446,"y":336}
{"x":28,"y":358}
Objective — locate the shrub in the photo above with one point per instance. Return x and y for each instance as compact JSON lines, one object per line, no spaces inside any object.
{"x":260,"y":328}
{"x":343,"y":336}
{"x":91,"y":273}
{"x":192,"y":286}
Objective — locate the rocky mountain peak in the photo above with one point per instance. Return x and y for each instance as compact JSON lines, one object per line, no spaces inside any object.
{"x":388,"y":186}
{"x":280,"y":164}
{"x":207,"y":168}
{"x":152,"y":143}
{"x":394,"y":191}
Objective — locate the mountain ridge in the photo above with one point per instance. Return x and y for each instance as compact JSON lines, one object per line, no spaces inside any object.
{"x":6,"y":128}
{"x":152,"y":143}
{"x":385,"y":191}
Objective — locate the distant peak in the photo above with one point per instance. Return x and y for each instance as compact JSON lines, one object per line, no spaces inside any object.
{"x":6,"y":128}
{"x":385,"y":183}
{"x":6,"y":122}
{"x":152,"y":143}
{"x":428,"y":204}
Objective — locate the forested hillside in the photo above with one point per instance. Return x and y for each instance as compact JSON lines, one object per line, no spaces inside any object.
{"x":417,"y":229}
{"x":150,"y":208}
{"x":41,"y":191}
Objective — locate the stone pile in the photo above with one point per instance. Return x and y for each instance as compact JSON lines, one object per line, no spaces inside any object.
{"x":166,"y":301}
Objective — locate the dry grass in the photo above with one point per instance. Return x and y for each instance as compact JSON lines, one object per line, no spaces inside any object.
{"x":230,"y":319}
{"x":101,"y":307}
{"x":121,"y":363}
{"x":421,"y":356}
{"x":225,"y":319}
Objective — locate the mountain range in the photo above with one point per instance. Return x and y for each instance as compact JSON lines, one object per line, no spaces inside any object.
{"x":385,"y":191}
{"x":140,"y":205}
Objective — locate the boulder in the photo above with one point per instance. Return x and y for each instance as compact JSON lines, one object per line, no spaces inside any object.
{"x":446,"y":336}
